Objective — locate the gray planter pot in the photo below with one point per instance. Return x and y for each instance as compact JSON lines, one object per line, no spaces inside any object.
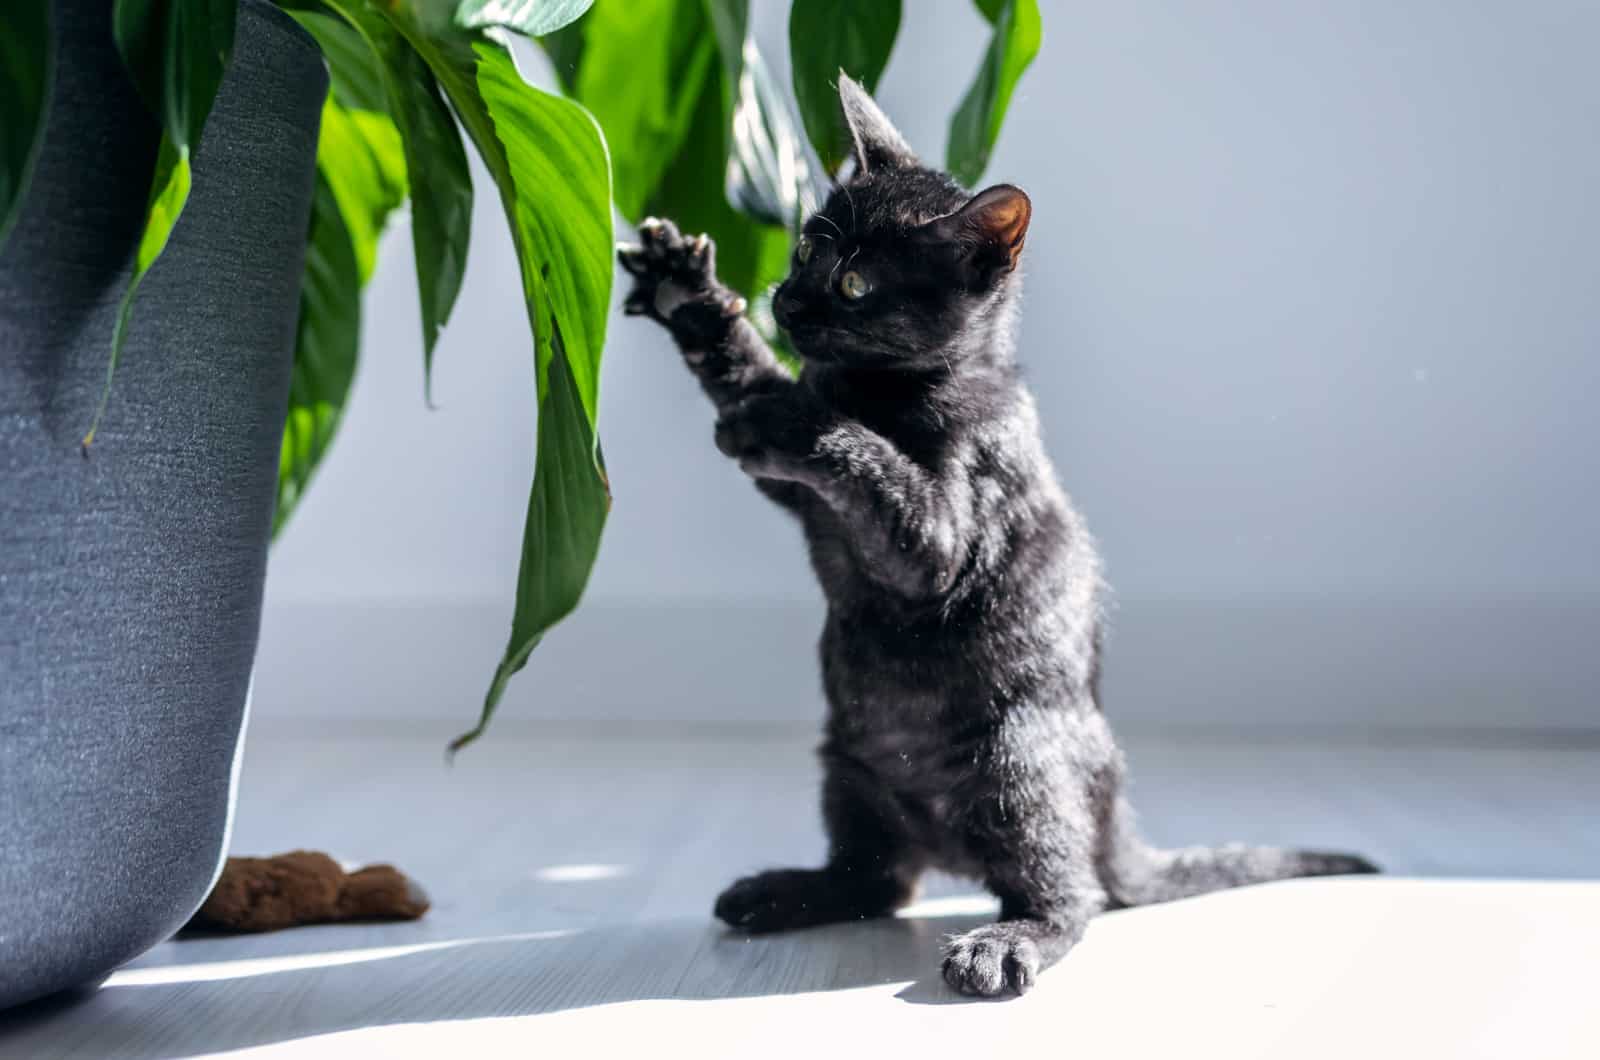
{"x":130,"y":580}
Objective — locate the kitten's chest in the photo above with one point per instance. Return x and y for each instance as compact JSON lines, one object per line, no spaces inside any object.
{"x":925,"y":773}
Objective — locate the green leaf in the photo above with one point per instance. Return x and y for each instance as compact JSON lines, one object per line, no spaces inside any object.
{"x":27,"y":66}
{"x":730,"y":24}
{"x":976,"y":124}
{"x":360,"y":182}
{"x":169,"y":191}
{"x":548,"y":160}
{"x":566,"y":515}
{"x":565,"y":49}
{"x":384,"y":126}
{"x":360,"y":156}
{"x":555,"y":181}
{"x":670,"y":125}
{"x":769,"y":177}
{"x":767,"y":173}
{"x":177,"y":52}
{"x":700,"y":185}
{"x":353,"y":70}
{"x":750,"y":255}
{"x":826,"y":36}
{"x":327,"y":341}
{"x":669,"y":56}
{"x":531,"y":17}
{"x":369,"y":55}
{"x":441,"y":185}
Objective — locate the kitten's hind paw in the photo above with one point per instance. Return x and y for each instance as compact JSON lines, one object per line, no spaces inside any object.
{"x":785,"y":899}
{"x":672,"y":271}
{"x":767,"y":901}
{"x":991,"y":960}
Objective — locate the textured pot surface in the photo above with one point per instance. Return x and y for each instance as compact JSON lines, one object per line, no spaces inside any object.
{"x":130,"y":580}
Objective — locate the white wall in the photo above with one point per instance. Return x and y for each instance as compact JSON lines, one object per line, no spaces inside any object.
{"x":1312,"y":318}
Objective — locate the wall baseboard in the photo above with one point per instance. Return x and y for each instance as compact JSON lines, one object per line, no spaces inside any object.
{"x":1511,"y":666}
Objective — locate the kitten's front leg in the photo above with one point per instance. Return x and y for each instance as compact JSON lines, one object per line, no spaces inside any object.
{"x":910,"y":528}
{"x":675,"y":284}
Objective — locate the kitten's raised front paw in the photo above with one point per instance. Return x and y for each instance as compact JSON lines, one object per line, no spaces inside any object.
{"x":990,"y":960}
{"x":774,"y":435}
{"x":675,"y":279}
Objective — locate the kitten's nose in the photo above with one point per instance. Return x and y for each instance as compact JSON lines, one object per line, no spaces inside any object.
{"x":784,"y":308}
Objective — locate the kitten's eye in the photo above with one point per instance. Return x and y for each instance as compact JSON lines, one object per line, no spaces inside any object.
{"x":853,"y":285}
{"x":802,"y":250}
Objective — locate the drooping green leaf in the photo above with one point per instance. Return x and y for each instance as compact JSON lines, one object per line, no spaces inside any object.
{"x":750,"y":255}
{"x":27,"y":66}
{"x":565,"y":49}
{"x":370,"y":53}
{"x":353,"y":70}
{"x":566,"y":515}
{"x":730,"y":24}
{"x":557,"y":171}
{"x":327,"y":340}
{"x":361,"y":180}
{"x":362,"y":177}
{"x":548,"y":159}
{"x":176,"y":52}
{"x":768,"y":176}
{"x":694,"y":187}
{"x":533,"y":18}
{"x":441,"y":184}
{"x":687,"y":100}
{"x":669,"y":57}
{"x":359,"y":155}
{"x":826,"y":36}
{"x":169,"y":191}
{"x":975,"y":127}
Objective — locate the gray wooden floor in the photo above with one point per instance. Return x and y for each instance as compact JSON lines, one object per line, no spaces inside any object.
{"x":573,"y":869}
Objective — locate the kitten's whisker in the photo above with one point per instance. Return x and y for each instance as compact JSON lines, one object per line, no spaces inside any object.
{"x":836,"y":228}
{"x":842,"y":261}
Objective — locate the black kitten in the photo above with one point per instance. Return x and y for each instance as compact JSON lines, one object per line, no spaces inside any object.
{"x":961,"y":651}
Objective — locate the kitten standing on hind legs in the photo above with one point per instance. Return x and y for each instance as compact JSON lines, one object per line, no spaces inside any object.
{"x":961,"y":651}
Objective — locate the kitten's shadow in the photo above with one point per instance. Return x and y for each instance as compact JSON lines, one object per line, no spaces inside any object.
{"x":205,"y":1003}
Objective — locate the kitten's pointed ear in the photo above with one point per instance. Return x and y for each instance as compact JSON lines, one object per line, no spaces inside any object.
{"x":877,"y":143}
{"x":991,"y":227}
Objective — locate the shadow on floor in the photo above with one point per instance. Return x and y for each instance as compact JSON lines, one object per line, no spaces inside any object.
{"x":187,"y":1009}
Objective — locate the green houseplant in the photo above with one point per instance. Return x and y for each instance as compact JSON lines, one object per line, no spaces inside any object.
{"x":668,"y":109}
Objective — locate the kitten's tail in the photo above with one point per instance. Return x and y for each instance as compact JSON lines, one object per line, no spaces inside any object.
{"x":1135,"y":873}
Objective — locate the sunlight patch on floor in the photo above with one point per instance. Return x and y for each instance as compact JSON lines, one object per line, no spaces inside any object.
{"x":579,"y":873}
{"x":952,"y":905}
{"x":240,"y":969}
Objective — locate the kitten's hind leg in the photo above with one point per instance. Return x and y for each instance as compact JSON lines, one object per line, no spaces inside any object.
{"x":871,"y":869}
{"x":786,"y":899}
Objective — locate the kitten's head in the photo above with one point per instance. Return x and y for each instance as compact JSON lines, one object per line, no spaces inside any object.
{"x":901,"y":268}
